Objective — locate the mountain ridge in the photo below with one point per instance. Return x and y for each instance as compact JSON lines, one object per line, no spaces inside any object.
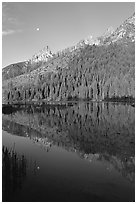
{"x":110,"y":34}
{"x":99,"y":52}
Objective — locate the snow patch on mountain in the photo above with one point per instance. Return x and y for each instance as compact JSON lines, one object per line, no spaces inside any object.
{"x":42,"y":55}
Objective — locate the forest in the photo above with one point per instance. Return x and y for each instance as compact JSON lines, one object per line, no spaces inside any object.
{"x":94,"y":73}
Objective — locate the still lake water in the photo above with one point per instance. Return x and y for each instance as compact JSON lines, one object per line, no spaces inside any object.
{"x":79,"y":152}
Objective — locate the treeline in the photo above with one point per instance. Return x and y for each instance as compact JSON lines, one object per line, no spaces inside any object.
{"x":92,"y":73}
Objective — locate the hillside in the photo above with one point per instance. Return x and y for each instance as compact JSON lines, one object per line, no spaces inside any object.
{"x":27,"y":66}
{"x":94,"y":69}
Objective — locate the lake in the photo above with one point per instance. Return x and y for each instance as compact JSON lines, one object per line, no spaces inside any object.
{"x":83,"y":151}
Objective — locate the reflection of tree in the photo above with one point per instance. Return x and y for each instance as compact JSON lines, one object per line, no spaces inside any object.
{"x":87,"y":128}
{"x":13,"y":172}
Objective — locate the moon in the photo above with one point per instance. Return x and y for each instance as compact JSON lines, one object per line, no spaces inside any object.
{"x":37,"y":29}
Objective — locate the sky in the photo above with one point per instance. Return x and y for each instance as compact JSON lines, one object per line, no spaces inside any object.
{"x":28,"y":27}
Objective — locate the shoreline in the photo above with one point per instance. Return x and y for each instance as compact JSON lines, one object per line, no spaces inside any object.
{"x":64,"y":103}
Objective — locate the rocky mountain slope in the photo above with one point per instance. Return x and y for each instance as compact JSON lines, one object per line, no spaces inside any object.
{"x":27,"y":66}
{"x":124,"y":33}
{"x":93,"y":69}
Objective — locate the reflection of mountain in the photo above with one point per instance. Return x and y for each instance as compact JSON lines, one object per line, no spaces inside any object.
{"x":125,"y":166}
{"x":88,"y":128}
{"x":13,"y":173}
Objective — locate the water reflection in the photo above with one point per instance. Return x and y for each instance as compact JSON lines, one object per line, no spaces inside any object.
{"x":13,"y":172}
{"x":94,"y":131}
